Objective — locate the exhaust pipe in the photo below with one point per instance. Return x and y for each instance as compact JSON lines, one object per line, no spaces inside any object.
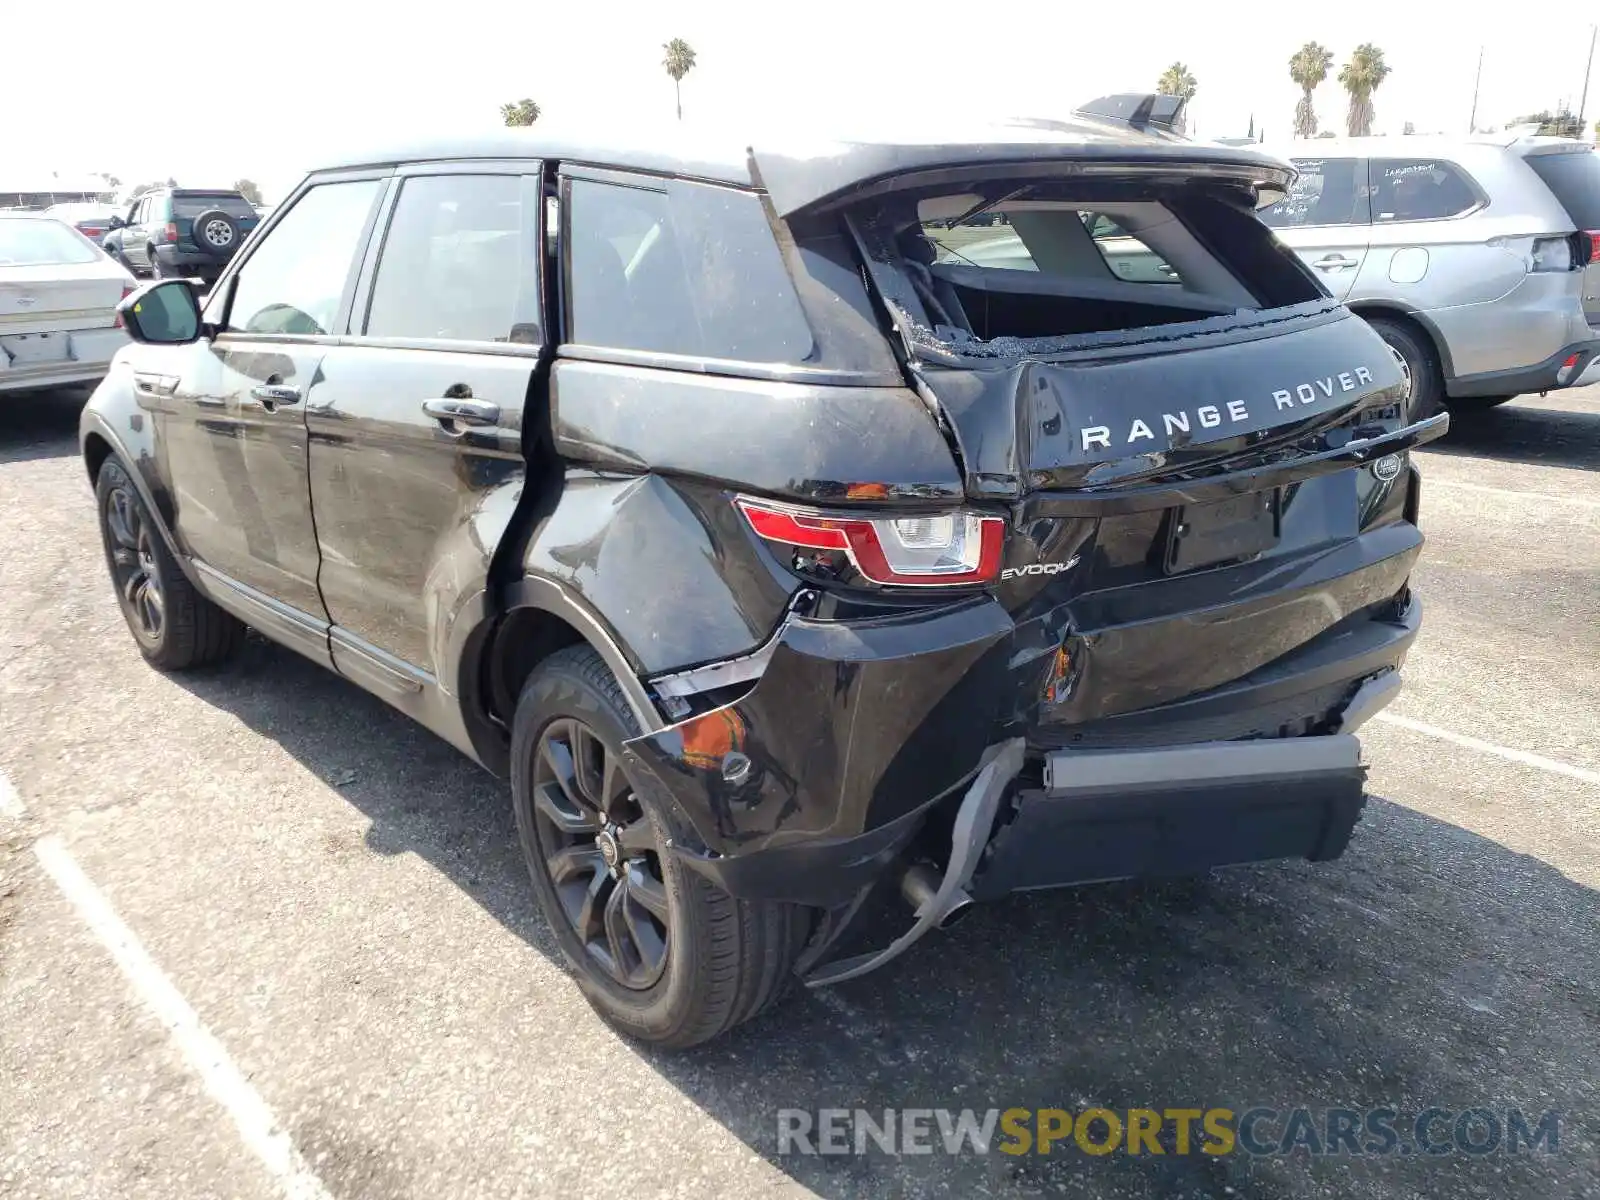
{"x":919,"y":886}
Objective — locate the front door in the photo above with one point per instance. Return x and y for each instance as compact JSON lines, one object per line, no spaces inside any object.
{"x":236,"y":426}
{"x":417,"y":422}
{"x":132,"y":234}
{"x":1326,"y":220}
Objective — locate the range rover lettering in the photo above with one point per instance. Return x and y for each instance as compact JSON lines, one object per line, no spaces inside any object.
{"x":777,"y":541}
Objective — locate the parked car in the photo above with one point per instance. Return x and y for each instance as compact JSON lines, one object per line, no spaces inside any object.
{"x":92,"y":218}
{"x":173,"y":232}
{"x":773,"y":558}
{"x":58,"y":304}
{"x":1478,"y":260}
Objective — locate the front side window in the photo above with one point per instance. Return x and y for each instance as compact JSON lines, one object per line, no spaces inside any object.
{"x":294,"y":279}
{"x":679,"y":268}
{"x":1328,"y":191}
{"x":1416,"y":189}
{"x":460,"y":261}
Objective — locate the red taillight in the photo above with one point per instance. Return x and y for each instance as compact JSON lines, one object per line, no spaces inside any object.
{"x":942,"y":550}
{"x":127,"y":290}
{"x":1594,"y":244}
{"x":172,"y":232}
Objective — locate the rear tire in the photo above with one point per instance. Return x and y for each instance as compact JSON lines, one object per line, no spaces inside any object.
{"x":1470,"y":405}
{"x":174,"y":626}
{"x":1420,"y":363}
{"x":157,"y":271}
{"x":724,"y":959}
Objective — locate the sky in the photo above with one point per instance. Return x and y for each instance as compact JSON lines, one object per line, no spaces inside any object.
{"x":290,"y":82}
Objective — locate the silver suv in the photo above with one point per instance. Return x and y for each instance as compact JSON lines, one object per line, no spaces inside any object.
{"x":1478,"y":260}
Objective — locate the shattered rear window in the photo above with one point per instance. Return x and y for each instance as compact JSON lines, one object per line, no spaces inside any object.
{"x":1007,"y":268}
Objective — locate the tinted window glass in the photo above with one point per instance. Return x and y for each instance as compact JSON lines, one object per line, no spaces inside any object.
{"x":1575,"y":180}
{"x":460,"y":261}
{"x":690,"y":269}
{"x":1328,"y":191}
{"x":25,"y":242}
{"x":1418,"y":190}
{"x":193,"y":206}
{"x":293,"y":281}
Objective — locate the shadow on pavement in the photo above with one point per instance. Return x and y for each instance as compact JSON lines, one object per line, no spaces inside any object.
{"x":1430,"y":966}
{"x":40,"y":424}
{"x":1537,"y":436}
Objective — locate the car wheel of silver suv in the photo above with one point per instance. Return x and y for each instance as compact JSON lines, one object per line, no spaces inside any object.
{"x":1418,"y":364}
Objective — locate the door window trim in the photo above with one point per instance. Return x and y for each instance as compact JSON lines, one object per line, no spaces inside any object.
{"x":531,"y":171}
{"x":222,"y":291}
{"x":1363,"y":164}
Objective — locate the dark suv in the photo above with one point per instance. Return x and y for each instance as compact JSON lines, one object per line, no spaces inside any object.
{"x":771,"y":548}
{"x":181,"y":232}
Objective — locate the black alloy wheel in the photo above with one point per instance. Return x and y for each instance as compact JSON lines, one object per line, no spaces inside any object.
{"x":132,"y":553}
{"x":600,"y":849}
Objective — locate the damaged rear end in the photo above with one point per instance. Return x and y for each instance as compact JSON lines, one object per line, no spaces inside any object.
{"x":1174,"y":583}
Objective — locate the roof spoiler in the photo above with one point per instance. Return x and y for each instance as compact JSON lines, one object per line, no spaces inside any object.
{"x":1147,"y":110}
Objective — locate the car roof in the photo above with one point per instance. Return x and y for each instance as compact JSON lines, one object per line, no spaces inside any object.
{"x":800,"y":172}
{"x":1423,"y":145}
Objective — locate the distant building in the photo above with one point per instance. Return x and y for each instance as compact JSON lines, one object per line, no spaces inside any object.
{"x":41,"y":189}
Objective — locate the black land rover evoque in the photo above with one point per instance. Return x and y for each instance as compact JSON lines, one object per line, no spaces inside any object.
{"x":957,"y":518}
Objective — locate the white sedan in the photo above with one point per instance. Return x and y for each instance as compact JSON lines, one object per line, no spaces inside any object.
{"x":58,"y":302}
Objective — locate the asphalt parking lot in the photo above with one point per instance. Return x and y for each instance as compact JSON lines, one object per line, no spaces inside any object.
{"x":259,"y":935}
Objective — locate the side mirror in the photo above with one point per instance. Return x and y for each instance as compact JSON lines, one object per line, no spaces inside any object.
{"x":115,"y":223}
{"x":164,"y":313}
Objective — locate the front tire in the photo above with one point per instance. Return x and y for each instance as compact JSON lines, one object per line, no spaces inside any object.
{"x":658,"y":950}
{"x":174,"y":626}
{"x":1418,"y":362}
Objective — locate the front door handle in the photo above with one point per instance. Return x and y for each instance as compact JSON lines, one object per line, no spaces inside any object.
{"x":273,"y":394}
{"x":1333,"y":262}
{"x":462,"y":412}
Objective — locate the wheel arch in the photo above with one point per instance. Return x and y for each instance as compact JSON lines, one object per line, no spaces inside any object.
{"x":1417,"y":320}
{"x":99,"y":442}
{"x":540,"y":617}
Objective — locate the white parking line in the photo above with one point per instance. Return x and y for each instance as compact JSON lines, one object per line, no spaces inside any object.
{"x":11,"y":804}
{"x":1429,"y":481}
{"x":257,"y":1125}
{"x":1582,"y":774}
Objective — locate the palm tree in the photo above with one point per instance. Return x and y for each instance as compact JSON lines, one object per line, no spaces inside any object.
{"x":1176,"y":80}
{"x":1361,"y":76}
{"x":678,"y":62}
{"x":523,"y":112}
{"x":1308,"y":67}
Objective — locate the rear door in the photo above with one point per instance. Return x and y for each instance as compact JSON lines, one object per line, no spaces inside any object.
{"x":1325,"y":219}
{"x":234,"y":425}
{"x":1572,"y":173}
{"x":418,"y":418}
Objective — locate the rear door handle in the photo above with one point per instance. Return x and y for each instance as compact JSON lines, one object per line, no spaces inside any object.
{"x":1333,"y":262}
{"x":273,"y":394}
{"x":462,"y":412}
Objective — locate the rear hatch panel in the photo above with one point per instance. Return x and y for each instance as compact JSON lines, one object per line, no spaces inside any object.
{"x":1204,"y":477}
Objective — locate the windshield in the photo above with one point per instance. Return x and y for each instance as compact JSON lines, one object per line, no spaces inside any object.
{"x":25,"y":242}
{"x":1575,"y":180}
{"x":194,"y":205}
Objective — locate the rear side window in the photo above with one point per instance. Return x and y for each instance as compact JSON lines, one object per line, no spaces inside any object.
{"x":679,"y":268}
{"x":27,"y":242}
{"x":1574,"y":179}
{"x":193,"y":206}
{"x":294,"y":279}
{"x":1419,"y":189}
{"x":1328,"y":191}
{"x":460,"y":261}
